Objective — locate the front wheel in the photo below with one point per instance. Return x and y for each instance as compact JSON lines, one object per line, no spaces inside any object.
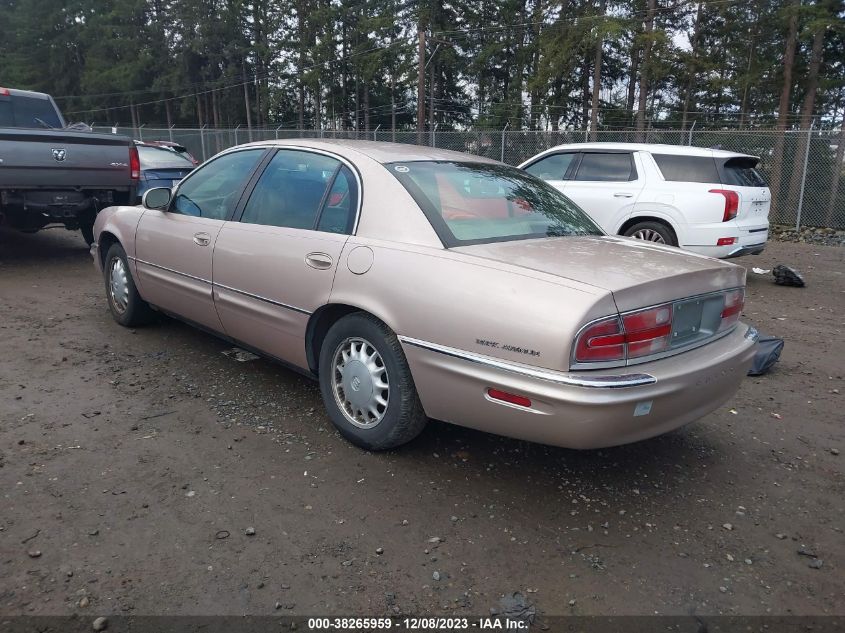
{"x":126,"y":305}
{"x":367,"y":386}
{"x":654,"y":232}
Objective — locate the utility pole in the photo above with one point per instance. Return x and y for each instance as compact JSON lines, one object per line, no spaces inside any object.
{"x":421,"y":84}
{"x":246,"y":100}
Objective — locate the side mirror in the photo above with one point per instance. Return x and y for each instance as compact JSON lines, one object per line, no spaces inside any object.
{"x":157,"y":198}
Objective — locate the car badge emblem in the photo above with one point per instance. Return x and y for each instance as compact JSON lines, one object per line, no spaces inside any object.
{"x":356,"y":383}
{"x":401,"y":169}
{"x":59,"y":154}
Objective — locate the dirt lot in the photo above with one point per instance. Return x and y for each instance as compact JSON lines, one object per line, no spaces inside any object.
{"x":135,"y":461}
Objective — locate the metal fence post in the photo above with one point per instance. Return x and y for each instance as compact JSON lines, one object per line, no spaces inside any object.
{"x":804,"y":176}
{"x":236,"y":134}
{"x":141,"y":132}
{"x":170,"y":132}
{"x":202,"y":142}
{"x":691,"y":128}
{"x":507,"y":124}
{"x":375,"y":131}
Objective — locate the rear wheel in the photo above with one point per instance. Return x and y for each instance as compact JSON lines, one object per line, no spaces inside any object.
{"x":126,"y":305}
{"x":367,"y":386}
{"x":654,"y":232}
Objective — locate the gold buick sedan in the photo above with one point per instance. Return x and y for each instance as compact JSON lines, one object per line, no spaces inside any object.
{"x":417,"y":283}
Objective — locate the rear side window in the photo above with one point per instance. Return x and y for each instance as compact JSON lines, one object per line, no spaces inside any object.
{"x":741,"y":172}
{"x":552,"y":167}
{"x":679,"y":168}
{"x":28,"y":112}
{"x":597,"y":167}
{"x":294,"y":188}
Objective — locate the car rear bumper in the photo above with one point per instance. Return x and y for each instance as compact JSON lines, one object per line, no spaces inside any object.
{"x":750,"y":240}
{"x":585,"y":409}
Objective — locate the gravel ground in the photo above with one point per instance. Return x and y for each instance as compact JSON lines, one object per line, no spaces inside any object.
{"x":145,"y":472}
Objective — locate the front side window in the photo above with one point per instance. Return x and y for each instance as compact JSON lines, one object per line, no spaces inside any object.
{"x":610,"y":167}
{"x":552,"y":167}
{"x":292,"y":189}
{"x":474,"y":203}
{"x":213,"y":190}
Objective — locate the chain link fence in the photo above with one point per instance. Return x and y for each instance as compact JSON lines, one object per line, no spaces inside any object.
{"x":805,"y":169}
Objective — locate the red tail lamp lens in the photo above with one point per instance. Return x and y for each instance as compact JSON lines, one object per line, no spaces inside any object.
{"x":731,"y":203}
{"x":642,"y":333}
{"x":734,"y":302}
{"x":134,"y":163}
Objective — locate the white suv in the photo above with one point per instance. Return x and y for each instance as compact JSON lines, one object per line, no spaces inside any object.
{"x":708,"y":201}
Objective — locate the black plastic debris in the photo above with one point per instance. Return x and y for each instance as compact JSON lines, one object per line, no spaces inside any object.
{"x":787,"y":276}
{"x":768,"y":353}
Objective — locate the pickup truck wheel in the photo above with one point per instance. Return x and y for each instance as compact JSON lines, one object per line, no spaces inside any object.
{"x":87,"y":231}
{"x":652,"y":232}
{"x":367,"y":386}
{"x":126,"y":305}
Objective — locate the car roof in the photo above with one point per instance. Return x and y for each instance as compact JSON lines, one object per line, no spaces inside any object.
{"x":658,"y":148}
{"x":380,"y":151}
{"x":14,"y":92}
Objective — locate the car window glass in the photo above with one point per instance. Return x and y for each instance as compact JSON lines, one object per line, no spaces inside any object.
{"x":598,"y":167}
{"x":161,"y":158}
{"x":677,"y":168}
{"x":741,"y":172}
{"x":213,"y":190}
{"x":551,"y":167}
{"x":29,"y":111}
{"x":473,"y":203}
{"x":291,"y":189}
{"x":338,"y":214}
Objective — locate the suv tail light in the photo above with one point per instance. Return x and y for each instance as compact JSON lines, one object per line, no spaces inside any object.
{"x":134,"y":163}
{"x":731,"y":203}
{"x":650,"y":331}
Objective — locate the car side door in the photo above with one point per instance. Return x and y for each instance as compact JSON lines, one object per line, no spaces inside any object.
{"x":606,"y":185}
{"x":554,"y":168}
{"x":275,"y":265}
{"x":173,"y":247}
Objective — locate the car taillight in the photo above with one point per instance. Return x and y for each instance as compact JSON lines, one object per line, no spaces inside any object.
{"x":631,"y":336}
{"x":134,"y":163}
{"x":731,"y":203}
{"x":4,"y":92}
{"x":734,"y":302}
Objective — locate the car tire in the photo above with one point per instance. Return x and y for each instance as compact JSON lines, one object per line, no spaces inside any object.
{"x":353,"y":390}
{"x":126,"y":305}
{"x":87,"y":230}
{"x":654,"y":232}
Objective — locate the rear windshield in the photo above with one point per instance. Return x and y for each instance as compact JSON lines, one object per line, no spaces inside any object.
{"x":677,"y":168}
{"x":741,"y":172}
{"x":28,"y":112}
{"x":162,"y":158}
{"x":474,"y":203}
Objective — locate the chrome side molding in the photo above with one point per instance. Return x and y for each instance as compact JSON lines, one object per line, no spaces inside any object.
{"x":594,"y":382}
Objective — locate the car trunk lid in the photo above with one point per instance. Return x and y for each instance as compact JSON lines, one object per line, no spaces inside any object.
{"x":638,"y":274}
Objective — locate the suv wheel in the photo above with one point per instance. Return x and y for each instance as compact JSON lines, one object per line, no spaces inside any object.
{"x":367,"y":386}
{"x":652,"y":232}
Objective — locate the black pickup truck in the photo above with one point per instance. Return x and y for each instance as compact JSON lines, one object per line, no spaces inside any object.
{"x":53,"y":174}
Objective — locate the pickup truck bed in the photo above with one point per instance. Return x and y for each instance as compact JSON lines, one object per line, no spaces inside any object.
{"x":60,"y":176}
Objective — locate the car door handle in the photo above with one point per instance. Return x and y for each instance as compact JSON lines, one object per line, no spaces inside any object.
{"x":202,"y":239}
{"x":623,"y":194}
{"x":320,"y":261}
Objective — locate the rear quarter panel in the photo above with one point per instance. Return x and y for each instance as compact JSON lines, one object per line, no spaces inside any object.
{"x":450,"y":299}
